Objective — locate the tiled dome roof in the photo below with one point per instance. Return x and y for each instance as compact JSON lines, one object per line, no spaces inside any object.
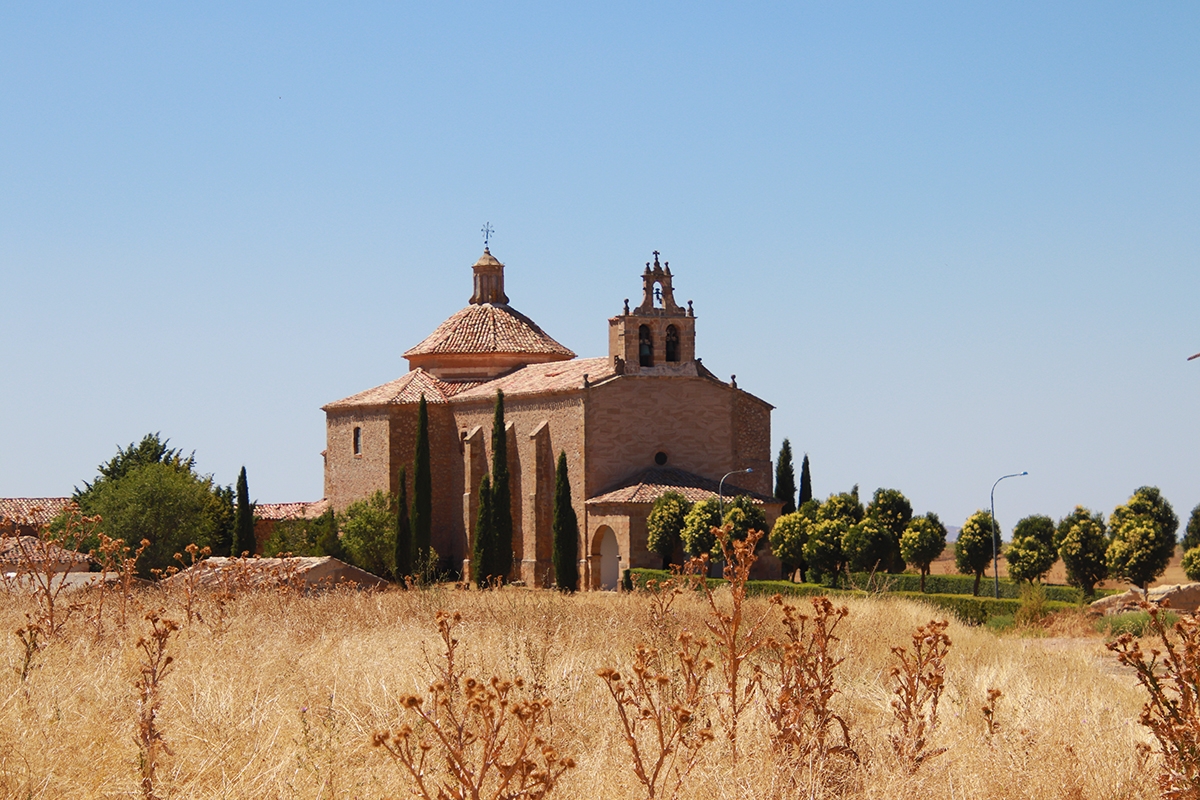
{"x":489,"y":328}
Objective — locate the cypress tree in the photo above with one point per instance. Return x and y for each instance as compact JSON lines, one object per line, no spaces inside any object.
{"x":243,"y":526}
{"x":404,"y":539}
{"x":785,"y":479}
{"x":566,"y":531}
{"x":805,"y":483}
{"x":481,"y":553}
{"x":421,"y":517}
{"x":502,"y":524}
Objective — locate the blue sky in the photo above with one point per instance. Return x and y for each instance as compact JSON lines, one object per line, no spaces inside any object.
{"x":947,"y":241}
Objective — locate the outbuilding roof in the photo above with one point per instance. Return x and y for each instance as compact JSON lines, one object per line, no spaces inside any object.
{"x":650,"y":484}
{"x":31,"y":510}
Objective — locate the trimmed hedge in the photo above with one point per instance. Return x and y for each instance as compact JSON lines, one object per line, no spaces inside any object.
{"x":969,"y":609}
{"x":963,"y":584}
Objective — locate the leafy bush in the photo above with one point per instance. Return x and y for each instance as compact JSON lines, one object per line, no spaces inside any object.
{"x":1143,"y":537}
{"x":978,"y":542}
{"x":665,"y":524}
{"x":369,"y":533}
{"x":788,"y":536}
{"x":1031,"y":553}
{"x":1191,"y":564}
{"x":922,"y":541}
{"x":1081,"y":541}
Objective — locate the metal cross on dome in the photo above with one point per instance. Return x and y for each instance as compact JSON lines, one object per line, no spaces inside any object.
{"x":487,"y":230}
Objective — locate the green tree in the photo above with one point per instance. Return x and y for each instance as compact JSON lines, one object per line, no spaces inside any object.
{"x":697,"y":534}
{"x":785,"y":479}
{"x":787,"y":539}
{"x":225,"y":511}
{"x":823,"y":550}
{"x":665,"y":524}
{"x":806,"y":492}
{"x":403,"y":558}
{"x":844,"y":506}
{"x":304,"y":537}
{"x":565,"y":556}
{"x":1081,"y":541}
{"x":482,"y":552}
{"x":243,"y":527}
{"x":369,"y":533}
{"x":974,"y":548}
{"x":1143,"y":537}
{"x":744,"y":515}
{"x":152,"y":449}
{"x":1191,"y":535}
{"x":922,"y":542}
{"x":893,"y":511}
{"x":169,"y":507}
{"x":151,"y":491}
{"x":868,"y":545}
{"x":502,"y":523}
{"x":1191,"y":564}
{"x":421,"y":517}
{"x":1031,"y":553}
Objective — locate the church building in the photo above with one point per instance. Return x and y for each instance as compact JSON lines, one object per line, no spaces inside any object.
{"x":645,"y":419}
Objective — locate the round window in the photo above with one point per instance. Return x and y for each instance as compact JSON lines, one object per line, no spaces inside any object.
{"x":660,"y":458}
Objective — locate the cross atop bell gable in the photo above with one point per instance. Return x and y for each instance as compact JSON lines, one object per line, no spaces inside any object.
{"x":658,"y":297}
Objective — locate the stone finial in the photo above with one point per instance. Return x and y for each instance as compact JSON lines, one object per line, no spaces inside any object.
{"x":627,"y":306}
{"x":690,"y":312}
{"x":733,"y":381}
{"x":586,"y":382}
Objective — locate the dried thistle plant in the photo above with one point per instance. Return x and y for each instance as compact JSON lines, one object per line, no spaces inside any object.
{"x":1171,"y":678}
{"x":659,"y":715}
{"x":153,"y":667}
{"x":736,"y":637}
{"x":919,"y":678}
{"x":41,"y":572}
{"x":989,"y":711}
{"x":471,"y":739}
{"x":30,"y":638}
{"x":806,"y":729}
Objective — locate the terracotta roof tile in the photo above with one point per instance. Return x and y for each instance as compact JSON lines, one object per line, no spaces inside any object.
{"x":489,"y":328}
{"x":25,"y":549}
{"x":557,"y":376}
{"x":282,"y":511}
{"x":407,"y":389}
{"x":34,"y":510}
{"x":649,"y":484}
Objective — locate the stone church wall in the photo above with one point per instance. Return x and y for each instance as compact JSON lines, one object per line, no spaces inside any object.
{"x":350,"y":476}
{"x":632,"y":419}
{"x":539,"y":428}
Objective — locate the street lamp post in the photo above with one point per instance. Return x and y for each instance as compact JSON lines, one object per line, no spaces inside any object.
{"x":721,"y":489}
{"x":995,"y":534}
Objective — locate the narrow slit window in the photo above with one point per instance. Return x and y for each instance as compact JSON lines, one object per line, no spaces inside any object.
{"x":358,"y":441}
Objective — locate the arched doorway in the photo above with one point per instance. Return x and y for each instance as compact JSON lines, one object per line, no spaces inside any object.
{"x":607,"y":552}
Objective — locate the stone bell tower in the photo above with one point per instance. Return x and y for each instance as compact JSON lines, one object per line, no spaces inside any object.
{"x":658,"y":337}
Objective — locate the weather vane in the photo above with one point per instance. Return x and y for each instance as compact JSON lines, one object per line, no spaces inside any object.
{"x":487,"y":230}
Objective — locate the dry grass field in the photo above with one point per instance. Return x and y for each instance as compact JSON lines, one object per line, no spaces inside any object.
{"x":279,"y":695}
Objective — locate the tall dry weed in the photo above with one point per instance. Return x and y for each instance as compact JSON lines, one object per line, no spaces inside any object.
{"x":737,"y":636}
{"x":154,"y":666}
{"x":799,"y":687}
{"x":659,"y":712}
{"x":1171,"y":678}
{"x":471,"y":739}
{"x":919,"y":678}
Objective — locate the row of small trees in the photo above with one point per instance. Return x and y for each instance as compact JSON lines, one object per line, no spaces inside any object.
{"x":1135,"y":545}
